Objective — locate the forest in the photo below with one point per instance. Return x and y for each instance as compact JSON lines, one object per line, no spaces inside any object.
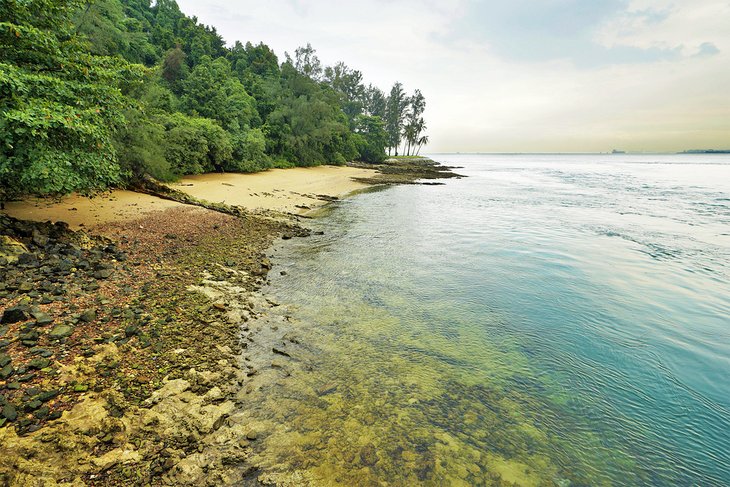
{"x":101,"y":93}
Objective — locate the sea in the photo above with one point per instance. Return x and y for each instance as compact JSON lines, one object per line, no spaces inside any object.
{"x":545,"y":320}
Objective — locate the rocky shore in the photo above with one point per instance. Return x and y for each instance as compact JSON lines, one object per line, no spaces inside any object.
{"x":123,"y":351}
{"x":116,"y":368}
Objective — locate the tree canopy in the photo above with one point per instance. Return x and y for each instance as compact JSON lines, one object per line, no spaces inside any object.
{"x":96,"y":94}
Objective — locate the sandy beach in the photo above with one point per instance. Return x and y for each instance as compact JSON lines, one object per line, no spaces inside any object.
{"x":296,"y":190}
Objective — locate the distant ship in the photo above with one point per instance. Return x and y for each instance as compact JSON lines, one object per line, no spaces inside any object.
{"x":616,"y":151}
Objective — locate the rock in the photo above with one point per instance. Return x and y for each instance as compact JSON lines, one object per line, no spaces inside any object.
{"x":14,"y":315}
{"x":326,"y":389}
{"x":9,"y":412}
{"x":103,"y":274}
{"x":11,"y":249}
{"x":61,"y":331}
{"x":48,"y":395}
{"x":88,"y":316}
{"x":368,"y":455}
{"x":42,"y":412}
{"x":32,"y":405}
{"x":25,"y":287}
{"x":6,"y":372}
{"x":81,"y":388}
{"x":42,"y":319}
{"x":13,"y":386}
{"x":39,"y":363}
{"x":4,"y":359}
{"x":252,"y":435}
{"x":279,"y":351}
{"x":43,"y":352}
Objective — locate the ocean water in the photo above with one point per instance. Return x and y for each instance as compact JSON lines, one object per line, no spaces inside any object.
{"x":547,"y":320}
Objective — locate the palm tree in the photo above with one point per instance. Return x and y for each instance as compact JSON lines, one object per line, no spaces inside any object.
{"x":423,"y":140}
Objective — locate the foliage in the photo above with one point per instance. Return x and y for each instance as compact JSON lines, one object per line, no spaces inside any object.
{"x":59,"y":104}
{"x":371,"y":138}
{"x":394,"y":115}
{"x":95,"y":93}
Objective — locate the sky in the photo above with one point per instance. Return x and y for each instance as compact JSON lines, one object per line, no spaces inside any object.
{"x":521,"y":75}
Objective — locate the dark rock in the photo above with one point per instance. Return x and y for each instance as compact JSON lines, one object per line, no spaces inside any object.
{"x":27,"y":377}
{"x":42,"y":319}
{"x":9,"y":412}
{"x":25,"y":287}
{"x":131,"y":330}
{"x":6,"y":372}
{"x":32,"y":405}
{"x":368,"y":455}
{"x":4,"y":343}
{"x":103,"y":274}
{"x":42,"y":412}
{"x":14,"y":314}
{"x":48,"y":395}
{"x":13,"y":386}
{"x":4,"y":359}
{"x":279,"y":351}
{"x":55,"y":415}
{"x":31,"y":336}
{"x":27,"y":259}
{"x":88,"y":316}
{"x":43,"y":352}
{"x":61,"y":331}
{"x":39,"y":363}
{"x":3,"y":330}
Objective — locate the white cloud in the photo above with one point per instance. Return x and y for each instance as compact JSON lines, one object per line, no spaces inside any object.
{"x":480,"y":98}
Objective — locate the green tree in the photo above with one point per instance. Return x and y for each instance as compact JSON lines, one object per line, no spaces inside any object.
{"x":59,"y":105}
{"x":348,"y":84}
{"x":371,"y":138}
{"x":394,"y":116}
{"x":414,"y":123}
{"x":375,"y":102}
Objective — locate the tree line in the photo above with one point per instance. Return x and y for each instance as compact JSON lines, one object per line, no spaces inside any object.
{"x":99,"y":93}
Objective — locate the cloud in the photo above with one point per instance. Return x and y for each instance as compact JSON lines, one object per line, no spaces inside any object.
{"x":547,"y":30}
{"x":707,"y":49}
{"x":521,"y":75}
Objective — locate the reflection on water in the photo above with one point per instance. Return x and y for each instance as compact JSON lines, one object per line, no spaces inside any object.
{"x":543,"y":322}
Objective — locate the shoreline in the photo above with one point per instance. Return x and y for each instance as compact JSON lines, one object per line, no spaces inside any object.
{"x":295,"y":191}
{"x":143,"y":341}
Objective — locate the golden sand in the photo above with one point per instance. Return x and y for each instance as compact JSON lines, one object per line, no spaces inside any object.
{"x":294,"y":190}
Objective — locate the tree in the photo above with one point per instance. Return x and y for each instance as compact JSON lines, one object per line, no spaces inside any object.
{"x":375,"y":101}
{"x":59,"y":105}
{"x":306,"y":62}
{"x":414,"y":123}
{"x":371,"y":138}
{"x":348,"y":85}
{"x":395,"y":113}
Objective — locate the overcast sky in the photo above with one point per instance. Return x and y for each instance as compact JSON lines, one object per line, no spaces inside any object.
{"x":521,"y":75}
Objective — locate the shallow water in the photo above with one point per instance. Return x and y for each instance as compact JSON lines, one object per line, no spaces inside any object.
{"x":549,"y":320}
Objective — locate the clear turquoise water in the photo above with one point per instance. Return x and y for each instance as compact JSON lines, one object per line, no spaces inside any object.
{"x":549,"y":320}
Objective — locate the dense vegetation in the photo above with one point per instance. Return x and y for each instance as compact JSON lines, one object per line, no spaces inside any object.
{"x":99,"y":93}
